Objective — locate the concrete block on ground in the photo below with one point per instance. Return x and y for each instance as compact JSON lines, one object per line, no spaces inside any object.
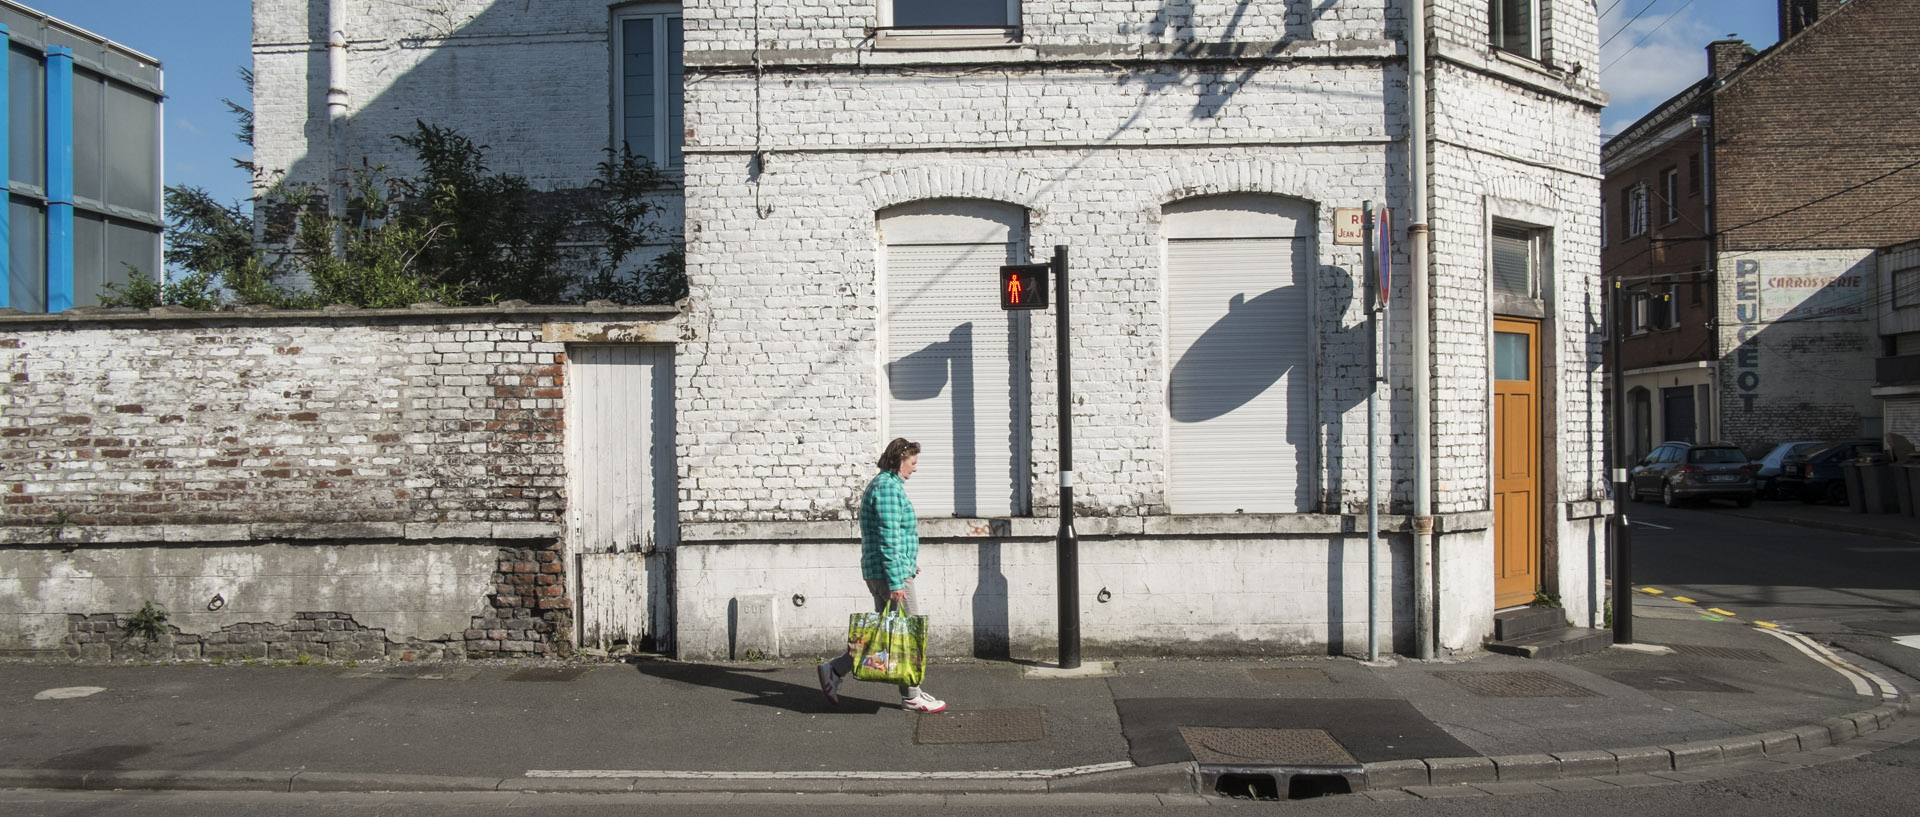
{"x":1397,"y":774}
{"x":1747,"y":748}
{"x":756,"y":626}
{"x":1694,"y":754}
{"x":1512,"y":768}
{"x":1840,"y":730}
{"x":1812,"y":736}
{"x":1446,"y":771}
{"x":1587,"y":763}
{"x":1779,"y":743}
{"x":1643,"y":759}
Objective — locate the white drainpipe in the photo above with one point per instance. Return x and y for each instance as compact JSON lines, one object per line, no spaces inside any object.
{"x":337,"y":118}
{"x":1423,"y":540}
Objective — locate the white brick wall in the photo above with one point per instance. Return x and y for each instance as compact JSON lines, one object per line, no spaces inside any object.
{"x":1098,"y":120}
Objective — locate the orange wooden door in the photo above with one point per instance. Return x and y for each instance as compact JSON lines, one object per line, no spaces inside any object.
{"x":1516,"y":461}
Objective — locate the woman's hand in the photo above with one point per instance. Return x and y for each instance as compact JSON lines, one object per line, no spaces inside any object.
{"x":899,"y":595}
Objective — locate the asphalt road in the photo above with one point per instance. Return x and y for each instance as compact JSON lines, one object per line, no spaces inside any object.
{"x":1885,"y":782}
{"x":1856,"y":591}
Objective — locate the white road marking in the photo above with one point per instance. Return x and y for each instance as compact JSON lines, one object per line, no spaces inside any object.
{"x":1864,"y":682}
{"x":1651,"y":525}
{"x":63,"y":693}
{"x":680,"y":775}
{"x":1908,"y":641}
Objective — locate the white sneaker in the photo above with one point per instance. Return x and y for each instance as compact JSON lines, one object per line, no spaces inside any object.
{"x":923,"y":703}
{"x":830,"y":683}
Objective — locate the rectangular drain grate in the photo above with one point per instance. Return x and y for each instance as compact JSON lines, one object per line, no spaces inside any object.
{"x":1517,"y":685}
{"x":1289,"y":675}
{"x":1266,"y":747}
{"x":1733,"y":653}
{"x":1669,"y":681}
{"x":549,"y":673}
{"x":414,"y":672}
{"x":981,"y":726}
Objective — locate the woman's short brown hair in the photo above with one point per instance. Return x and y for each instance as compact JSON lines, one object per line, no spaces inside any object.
{"x":897,"y":450}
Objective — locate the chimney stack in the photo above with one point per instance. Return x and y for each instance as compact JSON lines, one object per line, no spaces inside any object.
{"x":1726,"y":56}
{"x":1796,"y":15}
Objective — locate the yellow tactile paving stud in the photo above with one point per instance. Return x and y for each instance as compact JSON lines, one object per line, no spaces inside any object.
{"x":1727,"y":613}
{"x":1682,"y":599}
{"x":1650,"y":591}
{"x":1767,"y":624}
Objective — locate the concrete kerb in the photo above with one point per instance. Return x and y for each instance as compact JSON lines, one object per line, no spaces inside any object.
{"x":1421,"y":776}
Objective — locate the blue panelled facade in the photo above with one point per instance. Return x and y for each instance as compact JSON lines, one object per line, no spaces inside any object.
{"x":81,"y":148}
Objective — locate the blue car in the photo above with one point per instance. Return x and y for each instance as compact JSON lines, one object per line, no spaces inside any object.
{"x":1815,"y":476}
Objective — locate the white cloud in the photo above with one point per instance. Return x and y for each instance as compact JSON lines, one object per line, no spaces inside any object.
{"x":1653,"y":59}
{"x":185,"y":125}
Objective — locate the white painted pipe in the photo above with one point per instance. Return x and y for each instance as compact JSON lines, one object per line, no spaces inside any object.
{"x":337,"y":118}
{"x":1423,"y":541}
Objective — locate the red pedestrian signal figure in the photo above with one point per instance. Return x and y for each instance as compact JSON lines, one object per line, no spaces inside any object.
{"x":1023,"y":286}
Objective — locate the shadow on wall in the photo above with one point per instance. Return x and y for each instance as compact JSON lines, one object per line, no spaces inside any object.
{"x":1801,"y":362}
{"x":925,"y":375}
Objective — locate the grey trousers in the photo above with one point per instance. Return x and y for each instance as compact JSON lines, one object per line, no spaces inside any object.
{"x":878,"y":587}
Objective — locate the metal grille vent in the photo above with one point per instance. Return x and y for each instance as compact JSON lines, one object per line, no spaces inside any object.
{"x":1517,"y":685}
{"x":981,"y":726}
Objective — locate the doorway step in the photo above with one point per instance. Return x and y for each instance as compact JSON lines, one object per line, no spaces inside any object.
{"x":1542,"y":632}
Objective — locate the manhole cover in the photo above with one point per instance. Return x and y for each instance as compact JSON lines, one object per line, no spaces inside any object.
{"x":981,"y":726}
{"x":1669,"y":680}
{"x":1289,"y":675}
{"x":1734,"y":653}
{"x":1266,"y":747}
{"x":1517,"y":685}
{"x":549,"y":673}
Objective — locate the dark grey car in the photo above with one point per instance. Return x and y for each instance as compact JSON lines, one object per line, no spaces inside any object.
{"x":1680,"y":472}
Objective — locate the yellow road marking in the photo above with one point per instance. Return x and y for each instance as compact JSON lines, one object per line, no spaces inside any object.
{"x":1683,"y":599}
{"x":1649,"y":590}
{"x":1767,"y":624}
{"x":1720,"y":611}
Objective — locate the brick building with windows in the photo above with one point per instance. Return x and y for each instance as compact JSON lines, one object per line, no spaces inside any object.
{"x":1742,"y":216}
{"x":852,"y":176}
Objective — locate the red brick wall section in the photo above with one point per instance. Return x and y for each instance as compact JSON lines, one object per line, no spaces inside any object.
{"x":531,"y":612}
{"x":1824,"y":114}
{"x":225,"y":422}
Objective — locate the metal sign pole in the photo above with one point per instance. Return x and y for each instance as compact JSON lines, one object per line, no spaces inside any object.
{"x":1368,"y":261}
{"x":1066,"y":543}
{"x":1622,"y":549}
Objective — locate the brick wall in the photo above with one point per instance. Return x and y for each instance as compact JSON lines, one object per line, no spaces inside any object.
{"x":1803,"y":133}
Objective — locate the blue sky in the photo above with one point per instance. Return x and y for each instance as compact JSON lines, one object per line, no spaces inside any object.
{"x":203,"y":43}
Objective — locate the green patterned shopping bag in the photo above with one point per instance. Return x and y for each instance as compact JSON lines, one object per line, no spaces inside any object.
{"x":888,"y":646}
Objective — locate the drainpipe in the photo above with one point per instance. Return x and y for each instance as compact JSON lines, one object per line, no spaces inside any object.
{"x":1424,"y":612}
{"x":337,"y":120}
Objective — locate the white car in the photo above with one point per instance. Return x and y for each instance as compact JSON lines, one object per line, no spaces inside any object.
{"x":1770,"y":464}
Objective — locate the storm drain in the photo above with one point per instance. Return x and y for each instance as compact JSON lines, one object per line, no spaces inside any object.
{"x":1669,"y":681}
{"x":981,"y":726}
{"x":1272,"y":763}
{"x":549,"y":673}
{"x":1732,"y":653}
{"x":1289,"y":675}
{"x":1517,"y":685}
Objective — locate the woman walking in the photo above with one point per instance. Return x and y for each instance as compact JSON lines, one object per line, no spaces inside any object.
{"x":889,"y":560}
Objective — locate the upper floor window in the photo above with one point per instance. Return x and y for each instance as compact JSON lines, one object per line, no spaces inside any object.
{"x":1514,"y":26}
{"x":1906,"y":287}
{"x":1639,"y":313}
{"x":1518,"y":259}
{"x":947,"y":23}
{"x":1633,"y":210}
{"x":649,"y":80}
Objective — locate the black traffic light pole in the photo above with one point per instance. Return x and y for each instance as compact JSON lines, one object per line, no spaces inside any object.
{"x":1621,"y":548}
{"x":1066,"y":543}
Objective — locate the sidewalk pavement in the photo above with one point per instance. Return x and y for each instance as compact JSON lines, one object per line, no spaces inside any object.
{"x":1718,"y":692}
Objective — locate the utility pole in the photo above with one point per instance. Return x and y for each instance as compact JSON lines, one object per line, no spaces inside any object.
{"x":1066,"y":542}
{"x":1622,"y":546}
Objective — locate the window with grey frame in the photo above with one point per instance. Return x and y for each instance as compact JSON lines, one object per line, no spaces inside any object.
{"x":947,"y":23}
{"x":1514,"y":26}
{"x":1518,"y":260}
{"x":1670,"y":193}
{"x":650,"y":82}
{"x":1906,"y":287}
{"x":1633,"y":210}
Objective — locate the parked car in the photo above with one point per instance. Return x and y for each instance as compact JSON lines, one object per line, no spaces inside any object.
{"x":1815,"y":476}
{"x":1770,"y":463}
{"x":1681,"y":472}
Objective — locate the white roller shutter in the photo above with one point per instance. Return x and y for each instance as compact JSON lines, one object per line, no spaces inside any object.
{"x":956,"y":371}
{"x":1237,"y":392}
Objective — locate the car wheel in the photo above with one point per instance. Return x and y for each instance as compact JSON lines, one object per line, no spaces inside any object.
{"x":1666,"y":496}
{"x":1837,"y":493}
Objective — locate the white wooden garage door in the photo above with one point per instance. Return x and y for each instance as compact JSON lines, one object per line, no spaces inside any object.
{"x":621,"y":491}
{"x":1239,"y":343}
{"x":956,"y":364}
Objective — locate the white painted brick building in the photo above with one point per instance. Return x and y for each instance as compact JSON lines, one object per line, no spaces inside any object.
{"x":846,"y":166}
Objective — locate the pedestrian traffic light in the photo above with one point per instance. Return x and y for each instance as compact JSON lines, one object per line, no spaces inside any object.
{"x":1023,"y":286}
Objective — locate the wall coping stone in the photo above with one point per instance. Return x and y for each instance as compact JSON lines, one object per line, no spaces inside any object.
{"x":1101,"y":53}
{"x":78,"y":535}
{"x":506,"y":312}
